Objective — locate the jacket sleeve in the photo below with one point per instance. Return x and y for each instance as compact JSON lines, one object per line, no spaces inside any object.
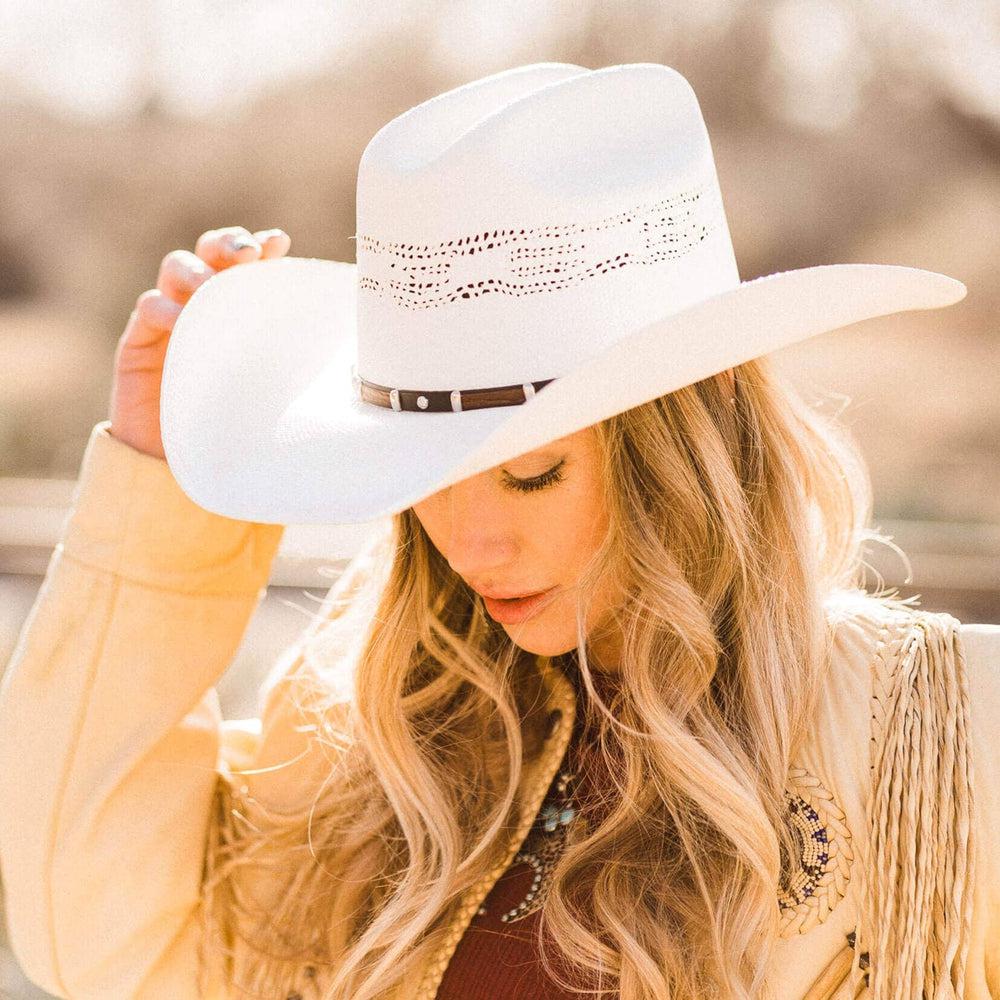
{"x":981,"y":644}
{"x":111,"y":735}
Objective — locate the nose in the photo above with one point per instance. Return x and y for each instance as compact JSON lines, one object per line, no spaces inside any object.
{"x":478,"y":534}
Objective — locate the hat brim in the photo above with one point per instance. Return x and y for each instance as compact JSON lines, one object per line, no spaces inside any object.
{"x":260,"y":420}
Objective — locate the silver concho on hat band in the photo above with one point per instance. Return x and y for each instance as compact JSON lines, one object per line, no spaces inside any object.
{"x":445,"y":400}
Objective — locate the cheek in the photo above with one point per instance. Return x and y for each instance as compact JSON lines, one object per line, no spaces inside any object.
{"x":573,"y":532}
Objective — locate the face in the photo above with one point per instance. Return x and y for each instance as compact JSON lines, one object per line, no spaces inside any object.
{"x":526,"y":527}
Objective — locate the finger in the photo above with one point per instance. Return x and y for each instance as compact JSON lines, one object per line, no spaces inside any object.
{"x":181,"y":272}
{"x":275,"y":242}
{"x":154,"y":314}
{"x":221,"y":248}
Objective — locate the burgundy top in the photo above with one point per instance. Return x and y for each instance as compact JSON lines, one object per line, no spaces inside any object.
{"x":497,"y":958}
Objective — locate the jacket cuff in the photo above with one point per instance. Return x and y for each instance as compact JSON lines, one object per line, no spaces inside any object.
{"x":130,"y":517}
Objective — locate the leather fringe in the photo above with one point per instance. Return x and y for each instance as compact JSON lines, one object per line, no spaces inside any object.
{"x":916,"y":883}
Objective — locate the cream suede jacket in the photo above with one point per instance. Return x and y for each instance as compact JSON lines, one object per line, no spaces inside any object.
{"x":112,"y":742}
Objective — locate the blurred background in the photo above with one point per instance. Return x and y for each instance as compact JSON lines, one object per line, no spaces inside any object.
{"x":843,"y":131}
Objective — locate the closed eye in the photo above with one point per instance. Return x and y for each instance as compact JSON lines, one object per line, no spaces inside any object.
{"x":550,"y":478}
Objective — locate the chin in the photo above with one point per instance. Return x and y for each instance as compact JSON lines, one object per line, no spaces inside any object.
{"x":539,"y":643}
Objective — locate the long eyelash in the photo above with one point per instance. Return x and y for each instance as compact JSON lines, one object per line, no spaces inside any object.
{"x":550,"y":478}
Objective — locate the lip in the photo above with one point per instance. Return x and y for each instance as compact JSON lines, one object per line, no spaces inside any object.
{"x":515,"y":610}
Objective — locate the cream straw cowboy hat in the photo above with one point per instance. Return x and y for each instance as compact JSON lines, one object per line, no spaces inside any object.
{"x":536,"y":250}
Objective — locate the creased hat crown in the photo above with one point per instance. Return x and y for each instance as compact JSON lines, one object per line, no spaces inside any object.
{"x":512,"y":228}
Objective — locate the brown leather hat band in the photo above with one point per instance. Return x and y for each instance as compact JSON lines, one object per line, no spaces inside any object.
{"x":447,"y":401}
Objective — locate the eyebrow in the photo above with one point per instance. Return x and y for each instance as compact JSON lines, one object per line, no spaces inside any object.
{"x":551,"y":455}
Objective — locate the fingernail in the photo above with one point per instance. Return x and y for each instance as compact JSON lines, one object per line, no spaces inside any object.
{"x":266,"y":234}
{"x":241,"y":242}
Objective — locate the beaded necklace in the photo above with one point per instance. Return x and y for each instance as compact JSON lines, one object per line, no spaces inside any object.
{"x":558,"y":817}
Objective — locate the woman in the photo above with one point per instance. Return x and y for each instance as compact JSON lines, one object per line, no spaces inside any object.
{"x":700,"y":761}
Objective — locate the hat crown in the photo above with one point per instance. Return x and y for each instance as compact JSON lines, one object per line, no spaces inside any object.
{"x":512,"y":228}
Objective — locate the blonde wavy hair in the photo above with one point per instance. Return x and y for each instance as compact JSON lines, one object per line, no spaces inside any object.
{"x":735,"y":508}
